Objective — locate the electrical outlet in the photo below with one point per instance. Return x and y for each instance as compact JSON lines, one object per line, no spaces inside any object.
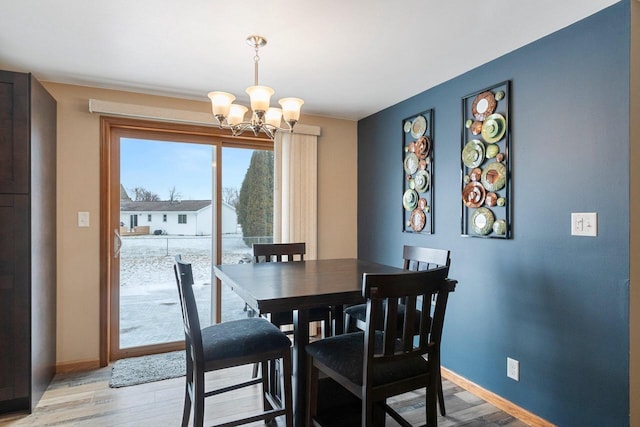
{"x":513,"y":369}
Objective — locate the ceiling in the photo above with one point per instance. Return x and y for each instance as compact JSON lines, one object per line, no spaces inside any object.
{"x":346,"y":59}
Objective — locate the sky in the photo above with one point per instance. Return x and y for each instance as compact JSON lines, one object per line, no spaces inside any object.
{"x":158,"y":166}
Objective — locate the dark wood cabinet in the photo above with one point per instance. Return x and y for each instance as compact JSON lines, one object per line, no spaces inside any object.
{"x":27,"y":240}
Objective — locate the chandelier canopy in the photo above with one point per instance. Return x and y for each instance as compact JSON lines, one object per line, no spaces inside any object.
{"x":264,"y":118}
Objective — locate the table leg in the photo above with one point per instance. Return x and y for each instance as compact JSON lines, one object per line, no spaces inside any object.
{"x":300,"y":341}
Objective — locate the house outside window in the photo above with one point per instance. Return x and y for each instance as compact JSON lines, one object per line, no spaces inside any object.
{"x":164,"y":217}
{"x":182,"y":218}
{"x":149,"y":218}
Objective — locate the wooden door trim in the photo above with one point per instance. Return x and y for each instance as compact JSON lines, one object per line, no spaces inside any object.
{"x":111,"y":129}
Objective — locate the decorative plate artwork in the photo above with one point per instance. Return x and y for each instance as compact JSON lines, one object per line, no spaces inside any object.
{"x":492,"y":151}
{"x":500,"y":227}
{"x":491,"y":199}
{"x":418,"y":163}
{"x":423,"y":146}
{"x":494,"y":176}
{"x":482,"y":221}
{"x":473,"y":194}
{"x":421,"y":181}
{"x":411,"y":163}
{"x":418,"y":219}
{"x":486,"y":170}
{"x":493,"y":128}
{"x":483,"y":105}
{"x":410,"y":199}
{"x":473,"y":153}
{"x":418,"y":127}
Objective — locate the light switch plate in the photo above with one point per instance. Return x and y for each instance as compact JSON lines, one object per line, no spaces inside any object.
{"x":83,"y":219}
{"x":584,"y":224}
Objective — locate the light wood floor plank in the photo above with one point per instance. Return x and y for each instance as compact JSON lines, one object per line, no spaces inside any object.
{"x":85,"y":399}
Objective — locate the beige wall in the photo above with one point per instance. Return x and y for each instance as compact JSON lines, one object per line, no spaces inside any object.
{"x":78,"y":190}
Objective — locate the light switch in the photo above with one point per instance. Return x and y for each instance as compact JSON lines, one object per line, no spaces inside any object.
{"x":584,"y":224}
{"x":83,"y":219}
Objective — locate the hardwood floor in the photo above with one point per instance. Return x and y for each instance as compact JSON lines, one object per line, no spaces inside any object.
{"x":85,"y":399}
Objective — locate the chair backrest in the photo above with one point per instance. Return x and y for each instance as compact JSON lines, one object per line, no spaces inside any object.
{"x":411,"y":338}
{"x":191,"y":321}
{"x":417,"y":258}
{"x":279,"y":252}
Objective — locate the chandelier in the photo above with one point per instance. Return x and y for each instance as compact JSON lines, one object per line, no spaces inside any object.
{"x":263,"y":118}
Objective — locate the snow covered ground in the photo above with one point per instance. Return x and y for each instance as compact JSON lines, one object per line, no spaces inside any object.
{"x":149,"y":307}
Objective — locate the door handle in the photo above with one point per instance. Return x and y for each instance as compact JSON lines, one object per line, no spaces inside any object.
{"x":117,"y":243}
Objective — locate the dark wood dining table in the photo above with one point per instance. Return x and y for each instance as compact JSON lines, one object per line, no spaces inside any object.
{"x":298,"y":286}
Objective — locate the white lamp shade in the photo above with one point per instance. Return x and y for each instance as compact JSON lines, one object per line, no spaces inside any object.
{"x":221,"y":102}
{"x":260,"y":97}
{"x":291,"y":108}
{"x":273,"y":117}
{"x":236,"y":114}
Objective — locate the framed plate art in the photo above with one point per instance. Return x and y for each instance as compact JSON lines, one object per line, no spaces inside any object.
{"x":486,"y":196}
{"x":417,"y":180}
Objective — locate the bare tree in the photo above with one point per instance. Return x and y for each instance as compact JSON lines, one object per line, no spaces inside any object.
{"x":174,"y":195}
{"x":230,"y":196}
{"x":143,"y":195}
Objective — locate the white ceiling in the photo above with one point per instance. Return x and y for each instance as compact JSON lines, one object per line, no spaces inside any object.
{"x":345,"y":58}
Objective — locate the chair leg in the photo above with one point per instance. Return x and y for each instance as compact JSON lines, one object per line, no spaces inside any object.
{"x":328,"y":329}
{"x":367,"y":414}
{"x":312,"y":392}
{"x":186,"y":412}
{"x":443,"y":411}
{"x":266,"y":385}
{"x":287,"y":398}
{"x":188,"y":390}
{"x":432,"y":405}
{"x":255,"y":371}
{"x":198,"y":399}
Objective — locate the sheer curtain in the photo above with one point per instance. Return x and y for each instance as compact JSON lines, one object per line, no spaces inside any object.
{"x":295,"y":211}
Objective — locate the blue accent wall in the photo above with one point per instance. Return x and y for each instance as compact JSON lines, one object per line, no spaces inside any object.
{"x":556,"y":303}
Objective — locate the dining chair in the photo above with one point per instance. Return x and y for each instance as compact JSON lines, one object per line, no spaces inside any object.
{"x":228,"y":344}
{"x":415,"y":258}
{"x":376,"y":364}
{"x":290,"y":252}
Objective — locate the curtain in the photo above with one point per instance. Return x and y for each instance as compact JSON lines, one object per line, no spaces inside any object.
{"x":296,"y":188}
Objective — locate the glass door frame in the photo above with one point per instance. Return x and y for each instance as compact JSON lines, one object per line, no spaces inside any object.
{"x":111,"y":130}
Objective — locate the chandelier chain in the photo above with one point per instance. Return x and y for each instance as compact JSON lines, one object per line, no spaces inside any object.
{"x":256,"y":60}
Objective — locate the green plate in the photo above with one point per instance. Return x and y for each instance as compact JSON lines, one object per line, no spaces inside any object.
{"x":482,"y":221}
{"x":494,"y":176}
{"x":493,"y":128}
{"x":421,"y":181}
{"x":473,"y":153}
{"x":411,"y":163}
{"x":410,"y":199}
{"x":418,"y":127}
{"x":500,"y":227}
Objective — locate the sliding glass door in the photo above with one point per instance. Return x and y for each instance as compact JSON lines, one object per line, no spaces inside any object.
{"x":203,"y":197}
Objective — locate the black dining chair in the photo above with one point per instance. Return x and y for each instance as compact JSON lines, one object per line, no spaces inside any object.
{"x":379,"y":363}
{"x":228,"y":344}
{"x":415,"y":258}
{"x":290,"y":252}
